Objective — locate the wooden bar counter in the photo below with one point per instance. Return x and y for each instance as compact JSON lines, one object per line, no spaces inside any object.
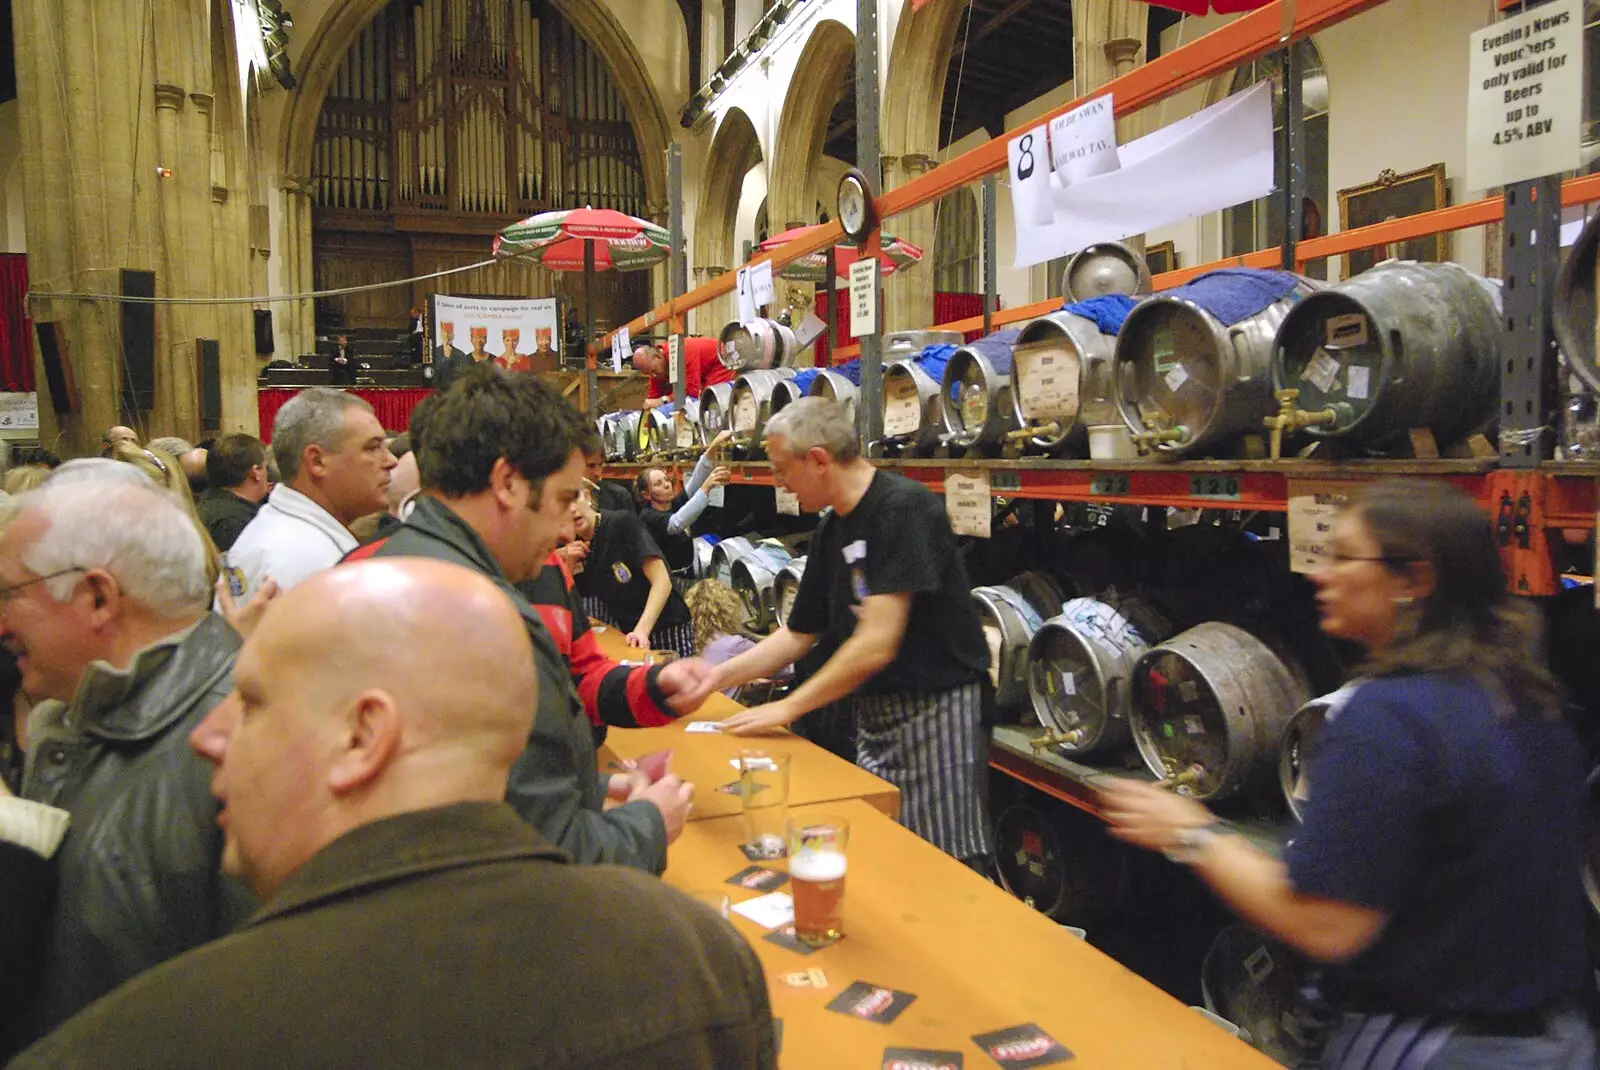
{"x":976,"y":959}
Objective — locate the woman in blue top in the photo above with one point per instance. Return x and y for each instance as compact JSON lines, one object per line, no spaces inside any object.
{"x":668,"y":517}
{"x":1438,"y":867}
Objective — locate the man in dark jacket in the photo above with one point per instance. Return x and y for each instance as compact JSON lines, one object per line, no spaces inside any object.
{"x":500,"y":461}
{"x":236,"y":469}
{"x":103,"y":598}
{"x":411,"y":919}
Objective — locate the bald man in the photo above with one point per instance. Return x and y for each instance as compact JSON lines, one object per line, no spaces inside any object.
{"x":411,"y":918}
{"x":114,"y":435}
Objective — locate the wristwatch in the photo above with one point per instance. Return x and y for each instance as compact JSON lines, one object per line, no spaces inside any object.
{"x":1192,"y":841}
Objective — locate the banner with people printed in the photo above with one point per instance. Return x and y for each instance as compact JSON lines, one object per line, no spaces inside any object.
{"x":521,"y":334}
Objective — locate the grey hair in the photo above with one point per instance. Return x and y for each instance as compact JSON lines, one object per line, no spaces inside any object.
{"x":136,"y":533}
{"x":812,"y":422}
{"x":87,"y":469}
{"x":313,"y":417}
{"x":172,"y":444}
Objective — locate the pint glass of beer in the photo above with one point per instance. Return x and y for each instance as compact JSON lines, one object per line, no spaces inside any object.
{"x":817,"y":867}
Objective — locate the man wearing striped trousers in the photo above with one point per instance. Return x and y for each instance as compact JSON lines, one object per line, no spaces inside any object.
{"x":884,"y":582}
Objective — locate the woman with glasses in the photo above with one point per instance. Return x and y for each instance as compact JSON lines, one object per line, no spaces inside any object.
{"x":1437,"y":871}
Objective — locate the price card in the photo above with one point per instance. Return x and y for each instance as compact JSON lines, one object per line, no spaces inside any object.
{"x":616,"y":351}
{"x":1110,"y":486}
{"x":744,"y":411}
{"x":742,"y":286}
{"x":902,"y":406}
{"x":1048,"y":378}
{"x":1028,"y":164}
{"x":1313,"y":505}
{"x":683,"y":431}
{"x":788,"y":504}
{"x":1360,"y":379}
{"x":761,"y":283}
{"x":716,"y":496}
{"x":1323,"y":371}
{"x":863,"y":297}
{"x":675,"y":358}
{"x":624,"y":348}
{"x":967,"y":501}
{"x":1214,"y":487}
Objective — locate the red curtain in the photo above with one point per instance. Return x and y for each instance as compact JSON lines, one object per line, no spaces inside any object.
{"x":392,"y":407}
{"x":16,"y":347}
{"x":947,"y":308}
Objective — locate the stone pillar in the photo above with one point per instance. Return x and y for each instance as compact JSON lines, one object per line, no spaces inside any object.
{"x":908,"y":293}
{"x":1109,"y":38}
{"x":299,"y":317}
{"x":89,"y":213}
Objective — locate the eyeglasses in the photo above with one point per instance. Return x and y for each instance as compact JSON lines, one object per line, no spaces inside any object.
{"x":1388,"y":560}
{"x":7,"y":593}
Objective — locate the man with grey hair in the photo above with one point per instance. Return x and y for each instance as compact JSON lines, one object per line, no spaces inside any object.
{"x":335,"y":463}
{"x":885,"y":585}
{"x":103,"y":601}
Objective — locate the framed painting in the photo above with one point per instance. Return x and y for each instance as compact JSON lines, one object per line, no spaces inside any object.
{"x":1162,"y":256}
{"x":1394,"y":196}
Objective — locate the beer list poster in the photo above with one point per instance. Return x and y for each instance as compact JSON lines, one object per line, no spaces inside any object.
{"x":1525,"y":96}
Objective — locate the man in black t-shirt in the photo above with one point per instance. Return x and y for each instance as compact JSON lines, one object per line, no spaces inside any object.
{"x":885,"y":583}
{"x":624,"y":570}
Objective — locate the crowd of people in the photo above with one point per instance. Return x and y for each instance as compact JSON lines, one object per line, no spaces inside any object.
{"x":303,"y":752}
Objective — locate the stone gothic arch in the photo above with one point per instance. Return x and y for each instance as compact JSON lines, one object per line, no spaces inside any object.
{"x":803,"y":125}
{"x":321,"y":60}
{"x":735,"y":149}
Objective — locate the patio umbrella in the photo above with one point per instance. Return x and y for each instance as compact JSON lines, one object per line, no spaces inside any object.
{"x":1204,"y":7}
{"x":813,"y":267}
{"x":587,"y":240}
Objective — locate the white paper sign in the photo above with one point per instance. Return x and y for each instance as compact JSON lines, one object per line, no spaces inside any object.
{"x":1224,"y":154}
{"x":715,"y":496}
{"x":1083,"y":142}
{"x":1049,"y":381}
{"x":624,"y":349}
{"x":1312,"y":509}
{"x":902,"y":406}
{"x":744,"y":411}
{"x":616,"y":351}
{"x":966,"y":500}
{"x":864,"y":297}
{"x":1525,"y":96}
{"x":1360,"y":377}
{"x":19,"y":412}
{"x":1028,"y":160}
{"x":761,"y":283}
{"x":810,"y":330}
{"x":742,"y":284}
{"x":675,"y":359}
{"x":788,"y":504}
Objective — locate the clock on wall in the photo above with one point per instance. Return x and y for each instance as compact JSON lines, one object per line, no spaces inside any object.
{"x":855,"y":205}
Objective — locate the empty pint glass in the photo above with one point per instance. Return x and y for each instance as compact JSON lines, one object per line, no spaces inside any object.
{"x":764,"y":799}
{"x":817,"y":866}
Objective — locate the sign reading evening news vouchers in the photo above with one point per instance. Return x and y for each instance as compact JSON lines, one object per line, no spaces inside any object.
{"x":1525,"y":96}
{"x":19,"y":412}
{"x":864,"y":296}
{"x":524,"y":327}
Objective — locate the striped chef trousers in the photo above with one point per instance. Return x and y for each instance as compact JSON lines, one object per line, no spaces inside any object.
{"x":595,"y":606}
{"x":933,"y":747}
{"x":678,"y":638}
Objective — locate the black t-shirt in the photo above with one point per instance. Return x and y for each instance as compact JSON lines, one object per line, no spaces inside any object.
{"x":896,"y":540}
{"x":224,"y":514}
{"x":612,"y":496}
{"x":614,"y":571}
{"x":677,"y":549}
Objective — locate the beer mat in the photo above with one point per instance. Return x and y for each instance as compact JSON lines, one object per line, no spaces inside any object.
{"x":921,"y":1059}
{"x":760,"y":852}
{"x":811,"y":978}
{"x":702,"y":726}
{"x":758,"y":879}
{"x":1022,"y":1046}
{"x":870,"y":1002}
{"x":753,"y":764}
{"x":732,"y":787}
{"x":786,"y":938}
{"x":768,"y":911}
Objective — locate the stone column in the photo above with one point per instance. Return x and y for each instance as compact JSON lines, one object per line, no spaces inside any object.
{"x":1109,"y":38}
{"x":299,"y":317}
{"x":908,"y":293}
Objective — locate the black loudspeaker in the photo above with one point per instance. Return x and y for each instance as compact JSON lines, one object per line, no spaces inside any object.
{"x":138,"y":342}
{"x":58,"y":375}
{"x":263,"y":332}
{"x":208,"y":375}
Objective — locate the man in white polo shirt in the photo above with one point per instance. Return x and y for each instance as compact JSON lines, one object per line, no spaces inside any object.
{"x":334,"y":461}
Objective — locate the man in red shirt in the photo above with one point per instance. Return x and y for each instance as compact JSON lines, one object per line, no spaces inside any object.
{"x":701,"y":368}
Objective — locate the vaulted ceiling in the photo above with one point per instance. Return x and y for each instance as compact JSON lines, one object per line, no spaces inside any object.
{"x":1007,"y":52}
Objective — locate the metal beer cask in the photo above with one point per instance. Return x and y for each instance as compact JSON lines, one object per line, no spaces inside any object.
{"x":1299,"y":743}
{"x":977,"y":409}
{"x":1186,"y":382}
{"x":900,"y":345}
{"x":1105,"y":268}
{"x":760,"y":343}
{"x":836,"y":387}
{"x":1209,"y":708}
{"x":752,"y":577}
{"x":1064,"y":344}
{"x":724,"y":554}
{"x":785,"y":586}
{"x":1080,"y":670}
{"x":703,"y":546}
{"x":716,"y":409}
{"x":1009,"y":621}
{"x":912,"y":408}
{"x":750,"y":402}
{"x":1403,"y":345}
{"x":1059,"y":862}
{"x":1255,"y":982}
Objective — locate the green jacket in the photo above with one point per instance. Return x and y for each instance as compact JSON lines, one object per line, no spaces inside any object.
{"x":452,"y":937}
{"x":556,"y":784}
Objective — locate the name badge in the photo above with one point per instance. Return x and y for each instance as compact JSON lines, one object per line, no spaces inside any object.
{"x":855,"y":551}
